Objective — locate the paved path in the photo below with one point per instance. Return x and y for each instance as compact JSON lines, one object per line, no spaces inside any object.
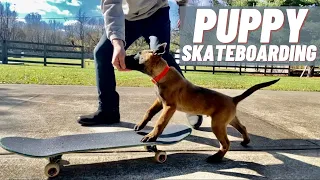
{"x":284,"y":129}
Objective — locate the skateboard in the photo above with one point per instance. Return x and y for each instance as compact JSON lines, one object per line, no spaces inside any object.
{"x":54,"y":148}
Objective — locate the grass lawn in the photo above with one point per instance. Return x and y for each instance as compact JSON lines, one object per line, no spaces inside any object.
{"x":25,"y":74}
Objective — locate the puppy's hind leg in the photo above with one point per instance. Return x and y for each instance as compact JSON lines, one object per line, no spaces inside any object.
{"x":153,"y":110}
{"x":242,"y":129}
{"x":219,"y":128}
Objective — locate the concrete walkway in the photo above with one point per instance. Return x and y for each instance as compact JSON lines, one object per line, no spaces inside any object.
{"x":284,"y":129}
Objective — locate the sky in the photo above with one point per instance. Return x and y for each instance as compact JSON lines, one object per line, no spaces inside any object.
{"x":55,"y":8}
{"x":66,"y":10}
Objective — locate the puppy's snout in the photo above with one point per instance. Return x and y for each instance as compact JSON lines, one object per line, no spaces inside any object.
{"x":137,"y":56}
{"x":132,"y":62}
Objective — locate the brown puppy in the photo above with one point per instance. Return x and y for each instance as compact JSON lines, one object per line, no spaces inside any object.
{"x":176,"y":93}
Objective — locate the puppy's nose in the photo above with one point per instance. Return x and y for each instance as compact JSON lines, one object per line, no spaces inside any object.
{"x":137,"y":57}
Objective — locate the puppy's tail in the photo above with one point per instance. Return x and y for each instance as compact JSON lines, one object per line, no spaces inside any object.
{"x":251,"y":90}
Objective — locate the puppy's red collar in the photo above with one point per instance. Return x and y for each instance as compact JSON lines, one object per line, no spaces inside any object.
{"x":156,"y":79}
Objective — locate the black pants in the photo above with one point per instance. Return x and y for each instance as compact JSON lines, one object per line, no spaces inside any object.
{"x":155,"y":30}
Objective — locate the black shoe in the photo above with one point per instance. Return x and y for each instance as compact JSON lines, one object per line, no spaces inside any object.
{"x":100,"y":117}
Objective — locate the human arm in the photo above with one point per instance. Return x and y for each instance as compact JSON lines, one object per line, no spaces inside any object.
{"x":181,"y":3}
{"x":114,"y":21}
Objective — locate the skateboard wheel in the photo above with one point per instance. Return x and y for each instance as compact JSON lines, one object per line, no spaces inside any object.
{"x":161,"y":156}
{"x":52,"y":169}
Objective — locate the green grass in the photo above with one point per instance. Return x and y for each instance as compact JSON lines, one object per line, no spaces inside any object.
{"x":24,"y":74}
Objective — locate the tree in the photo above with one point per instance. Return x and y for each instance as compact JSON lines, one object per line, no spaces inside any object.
{"x":53,"y":34}
{"x":82,"y":19}
{"x":33,"y":18}
{"x":7,"y":21}
{"x":35,"y":27}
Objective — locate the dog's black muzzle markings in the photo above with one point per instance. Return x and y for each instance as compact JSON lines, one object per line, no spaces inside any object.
{"x":132,"y":62}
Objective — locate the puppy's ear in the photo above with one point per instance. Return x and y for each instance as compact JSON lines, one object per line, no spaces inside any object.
{"x":161,"y":49}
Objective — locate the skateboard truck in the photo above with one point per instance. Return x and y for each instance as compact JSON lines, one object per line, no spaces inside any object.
{"x":160,"y":156}
{"x":52,"y":169}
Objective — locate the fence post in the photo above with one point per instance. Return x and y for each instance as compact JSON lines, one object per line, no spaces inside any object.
{"x":265,"y":70}
{"x":45,"y":55}
{"x":4,"y":52}
{"x":185,"y":69}
{"x":240,"y":70}
{"x":82,"y":57}
{"x":212,"y":69}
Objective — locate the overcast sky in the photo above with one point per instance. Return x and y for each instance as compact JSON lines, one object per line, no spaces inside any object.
{"x":68,"y":8}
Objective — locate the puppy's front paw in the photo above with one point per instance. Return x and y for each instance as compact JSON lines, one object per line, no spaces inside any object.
{"x":149,"y":138}
{"x":140,"y":126}
{"x":137,"y":127}
{"x":214,"y":159}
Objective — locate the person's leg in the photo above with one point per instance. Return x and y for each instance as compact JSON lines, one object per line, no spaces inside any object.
{"x":108,"y":111}
{"x":159,"y":33}
{"x":105,"y":77}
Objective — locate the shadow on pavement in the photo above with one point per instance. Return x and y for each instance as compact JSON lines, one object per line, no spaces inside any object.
{"x":258,"y":143}
{"x":8,"y":101}
{"x":7,"y":104}
{"x":188,"y":163}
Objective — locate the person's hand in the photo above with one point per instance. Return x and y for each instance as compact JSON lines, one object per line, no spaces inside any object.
{"x":118,"y":55}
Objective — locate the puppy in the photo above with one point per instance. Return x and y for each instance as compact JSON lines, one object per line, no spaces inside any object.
{"x":176,"y":93}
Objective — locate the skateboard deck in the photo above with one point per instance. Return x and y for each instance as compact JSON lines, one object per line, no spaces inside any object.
{"x":54,"y":148}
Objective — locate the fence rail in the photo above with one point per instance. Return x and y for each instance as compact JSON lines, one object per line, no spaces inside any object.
{"x":19,"y":49}
{"x":242,"y":69}
{"x":266,"y":70}
{"x":48,"y":44}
